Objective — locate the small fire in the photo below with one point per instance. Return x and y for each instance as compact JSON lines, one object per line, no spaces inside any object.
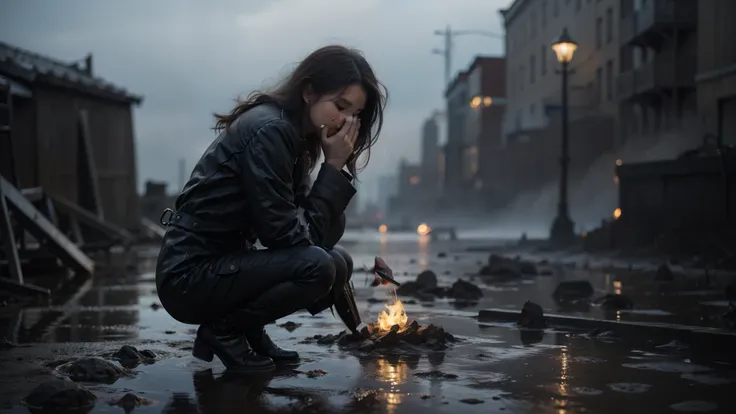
{"x":393,"y":315}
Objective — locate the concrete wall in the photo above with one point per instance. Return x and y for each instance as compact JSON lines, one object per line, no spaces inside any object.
{"x":689,"y":197}
{"x":716,"y":77}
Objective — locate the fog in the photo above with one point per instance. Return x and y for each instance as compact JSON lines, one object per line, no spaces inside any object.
{"x":593,"y":197}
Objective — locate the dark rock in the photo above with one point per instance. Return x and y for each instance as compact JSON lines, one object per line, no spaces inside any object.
{"x":92,"y":369}
{"x":730,"y":292}
{"x":60,"y":396}
{"x":573,"y":290}
{"x":441,"y":254}
{"x":664,"y":273}
{"x":528,"y":268}
{"x":427,"y":279}
{"x":130,"y":356}
{"x":435,"y":375}
{"x":532,"y":316}
{"x":408,"y":289}
{"x":155,"y":306}
{"x":614,"y":302}
{"x":471,"y":401}
{"x":463,"y":290}
{"x":130,"y":401}
{"x":290,"y":326}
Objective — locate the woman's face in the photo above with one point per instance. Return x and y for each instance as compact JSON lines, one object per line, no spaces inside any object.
{"x":333,"y":109}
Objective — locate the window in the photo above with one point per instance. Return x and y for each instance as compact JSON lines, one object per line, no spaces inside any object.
{"x":609,"y":80}
{"x":532,"y":69}
{"x":609,"y":25}
{"x":544,"y":13}
{"x":556,"y":8}
{"x":599,"y":84}
{"x":543,"y":59}
{"x":598,"y":33}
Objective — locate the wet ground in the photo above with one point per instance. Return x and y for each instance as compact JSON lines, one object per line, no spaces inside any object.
{"x":498,"y":368}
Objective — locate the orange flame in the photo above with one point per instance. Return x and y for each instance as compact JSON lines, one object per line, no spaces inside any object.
{"x":394,"y":314}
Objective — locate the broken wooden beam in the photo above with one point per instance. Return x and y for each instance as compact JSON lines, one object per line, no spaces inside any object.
{"x":90,"y":219}
{"x":7,"y":235}
{"x":41,"y":228}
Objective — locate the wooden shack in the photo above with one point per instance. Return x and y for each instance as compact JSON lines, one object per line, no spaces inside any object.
{"x":48,"y":97}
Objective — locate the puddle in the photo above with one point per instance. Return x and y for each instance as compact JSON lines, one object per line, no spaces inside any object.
{"x":673,"y":367}
{"x":630,"y":387}
{"x":695,"y":406}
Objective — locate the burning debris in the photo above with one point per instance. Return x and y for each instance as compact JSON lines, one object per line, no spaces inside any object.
{"x":391,"y":330}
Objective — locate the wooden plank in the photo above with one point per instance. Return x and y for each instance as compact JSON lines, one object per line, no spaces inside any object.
{"x":87,"y":169}
{"x":35,"y":223}
{"x":33,"y":194}
{"x":8,"y":240}
{"x":90,"y":219}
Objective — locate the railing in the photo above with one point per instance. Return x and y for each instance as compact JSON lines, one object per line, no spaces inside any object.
{"x":657,"y":13}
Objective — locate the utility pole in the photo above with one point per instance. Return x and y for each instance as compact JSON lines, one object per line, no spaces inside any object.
{"x":448,"y":34}
{"x":182,"y":173}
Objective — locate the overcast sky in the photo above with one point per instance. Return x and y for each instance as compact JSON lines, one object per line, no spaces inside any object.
{"x":191,"y":58}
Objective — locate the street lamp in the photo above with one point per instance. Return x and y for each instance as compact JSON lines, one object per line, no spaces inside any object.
{"x":562,"y":231}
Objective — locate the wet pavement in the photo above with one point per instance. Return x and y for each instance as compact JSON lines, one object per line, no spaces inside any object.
{"x":498,"y":367}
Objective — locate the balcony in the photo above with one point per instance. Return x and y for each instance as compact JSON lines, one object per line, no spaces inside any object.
{"x":651,"y":78}
{"x":643,"y":27}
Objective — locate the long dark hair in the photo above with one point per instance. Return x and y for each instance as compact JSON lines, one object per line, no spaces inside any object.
{"x":327,"y":70}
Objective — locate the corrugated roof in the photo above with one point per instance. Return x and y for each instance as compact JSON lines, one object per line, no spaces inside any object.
{"x":32,"y":67}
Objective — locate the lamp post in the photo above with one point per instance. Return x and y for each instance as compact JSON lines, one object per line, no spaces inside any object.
{"x":562,"y":231}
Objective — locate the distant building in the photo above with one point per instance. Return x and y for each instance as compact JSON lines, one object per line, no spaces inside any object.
{"x":155,"y":200}
{"x":387,"y":187}
{"x":48,"y":152}
{"x":457,"y":98}
{"x":487,"y":104}
{"x":716,"y":69}
{"x":532,"y":83}
{"x":409,"y":198}
{"x":658,"y":50}
{"x":430,"y":158}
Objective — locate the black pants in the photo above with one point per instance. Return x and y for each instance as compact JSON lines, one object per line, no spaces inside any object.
{"x":254,"y":288}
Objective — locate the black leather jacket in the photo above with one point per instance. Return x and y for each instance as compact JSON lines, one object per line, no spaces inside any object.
{"x":252,"y":183}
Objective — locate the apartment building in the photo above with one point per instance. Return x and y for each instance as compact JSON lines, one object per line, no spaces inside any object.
{"x":656,"y":86}
{"x":533,"y":84}
{"x":430,"y":159}
{"x":716,"y":69}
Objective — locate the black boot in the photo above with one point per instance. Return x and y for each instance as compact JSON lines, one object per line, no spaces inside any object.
{"x":263,"y":345}
{"x":231,"y":347}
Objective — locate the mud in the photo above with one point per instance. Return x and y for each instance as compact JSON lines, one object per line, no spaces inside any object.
{"x":494,"y":367}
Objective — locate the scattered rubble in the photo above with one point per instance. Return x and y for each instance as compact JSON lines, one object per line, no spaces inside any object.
{"x":504,"y":267}
{"x":5,"y":344}
{"x":532,"y":316}
{"x":435,"y":375}
{"x":130,"y":401}
{"x":411,"y":337}
{"x":59,"y":396}
{"x":573,"y":290}
{"x":289,"y":326}
{"x":130,"y":357}
{"x":312,"y":373}
{"x":425,"y":288}
{"x":91,"y":369}
{"x":664,"y":273}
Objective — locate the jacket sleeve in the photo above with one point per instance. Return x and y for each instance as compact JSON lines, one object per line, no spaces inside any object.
{"x":266,"y":166}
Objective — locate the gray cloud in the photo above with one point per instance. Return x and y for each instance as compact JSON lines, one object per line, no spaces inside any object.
{"x":191,"y":58}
